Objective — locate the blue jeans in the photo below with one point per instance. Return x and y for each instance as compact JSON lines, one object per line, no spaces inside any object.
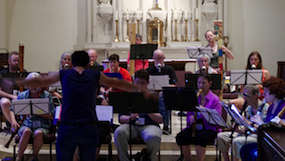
{"x":165,"y":113}
{"x":81,"y":135}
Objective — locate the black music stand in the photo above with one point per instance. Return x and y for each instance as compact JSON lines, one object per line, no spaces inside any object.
{"x":142,"y":51}
{"x":182,"y":99}
{"x":132,"y":102}
{"x":245,"y":77}
{"x":194,"y":52}
{"x":97,"y":67}
{"x":236,"y":116}
{"x":191,"y":81}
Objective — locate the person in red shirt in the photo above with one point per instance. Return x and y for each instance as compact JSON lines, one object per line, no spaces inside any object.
{"x":139,"y":64}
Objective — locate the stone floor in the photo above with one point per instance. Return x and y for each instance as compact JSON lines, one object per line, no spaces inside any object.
{"x":169,"y":149}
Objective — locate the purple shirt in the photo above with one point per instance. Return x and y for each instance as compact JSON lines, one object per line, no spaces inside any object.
{"x":271,"y":115}
{"x":211,"y":102}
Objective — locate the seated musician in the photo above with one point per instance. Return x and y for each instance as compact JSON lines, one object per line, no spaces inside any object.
{"x":143,"y":125}
{"x":6,"y":91}
{"x":254,"y":61}
{"x":115,"y":68}
{"x":36,"y":126}
{"x":254,"y":106}
{"x":203,"y":63}
{"x":274,"y":93}
{"x":204,"y":131}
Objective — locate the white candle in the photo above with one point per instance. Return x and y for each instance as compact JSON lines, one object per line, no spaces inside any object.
{"x":175,"y":14}
{"x":127,"y":14}
{"x":197,"y":14}
{"x":185,"y":12}
{"x":117,"y":15}
{"x":138,"y":15}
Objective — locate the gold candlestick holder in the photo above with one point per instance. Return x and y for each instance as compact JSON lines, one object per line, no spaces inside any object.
{"x":175,"y":31}
{"x":138,"y":26}
{"x":197,"y":31}
{"x":186,"y":37}
{"x":226,"y":41}
{"x":127,"y":37}
{"x":117,"y":32}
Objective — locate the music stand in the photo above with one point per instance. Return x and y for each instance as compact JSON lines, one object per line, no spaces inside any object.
{"x":233,"y":112}
{"x":194,"y":52}
{"x":212,"y":116}
{"x":33,"y":106}
{"x":245,"y":77}
{"x":97,"y":68}
{"x":191,"y":81}
{"x":132,"y":102}
{"x":156,"y":82}
{"x":114,"y":75}
{"x":142,"y":51}
{"x":180,"y":98}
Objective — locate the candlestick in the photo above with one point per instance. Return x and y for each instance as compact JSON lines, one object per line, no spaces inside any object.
{"x":117,"y":32}
{"x":197,"y":34}
{"x":127,"y":37}
{"x":175,"y":31}
{"x":186,"y":37}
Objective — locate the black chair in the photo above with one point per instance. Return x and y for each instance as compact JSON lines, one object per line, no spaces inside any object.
{"x":105,"y":137}
{"x":139,"y":141}
{"x":50,"y":139}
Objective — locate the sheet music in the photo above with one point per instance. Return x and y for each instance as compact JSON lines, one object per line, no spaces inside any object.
{"x":212,"y":116}
{"x":156,"y":82}
{"x":39,"y":106}
{"x":104,"y":113}
{"x":239,"y":119}
{"x":194,"y":52}
{"x":57,"y":112}
{"x":239,"y":77}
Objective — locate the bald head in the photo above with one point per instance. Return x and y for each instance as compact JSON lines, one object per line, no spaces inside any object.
{"x":92,"y":55}
{"x":158,"y":56}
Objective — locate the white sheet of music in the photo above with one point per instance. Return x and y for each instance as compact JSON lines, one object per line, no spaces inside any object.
{"x":39,"y":106}
{"x":212,"y":116}
{"x":104,"y":113}
{"x":57,"y":112}
{"x":156,"y":82}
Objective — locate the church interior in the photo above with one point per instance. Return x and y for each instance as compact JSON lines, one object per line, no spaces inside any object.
{"x":49,"y":28}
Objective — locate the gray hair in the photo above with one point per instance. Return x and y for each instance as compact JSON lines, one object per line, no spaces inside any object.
{"x":253,"y":88}
{"x":65,"y":53}
{"x":202,"y":56}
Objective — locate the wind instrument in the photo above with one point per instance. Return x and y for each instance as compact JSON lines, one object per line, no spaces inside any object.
{"x":195,"y":116}
{"x":281,"y":113}
{"x":91,"y":63}
{"x":21,"y":61}
{"x":15,"y":132}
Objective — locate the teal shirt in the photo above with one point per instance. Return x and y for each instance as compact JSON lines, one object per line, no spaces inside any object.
{"x":45,"y":123}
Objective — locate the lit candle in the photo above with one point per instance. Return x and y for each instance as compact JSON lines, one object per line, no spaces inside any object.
{"x":175,"y":14}
{"x":185,"y":12}
{"x":197,"y":14}
{"x":127,"y":14}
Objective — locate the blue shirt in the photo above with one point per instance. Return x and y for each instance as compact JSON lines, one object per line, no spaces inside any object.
{"x":45,"y":123}
{"x":79,"y":95}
